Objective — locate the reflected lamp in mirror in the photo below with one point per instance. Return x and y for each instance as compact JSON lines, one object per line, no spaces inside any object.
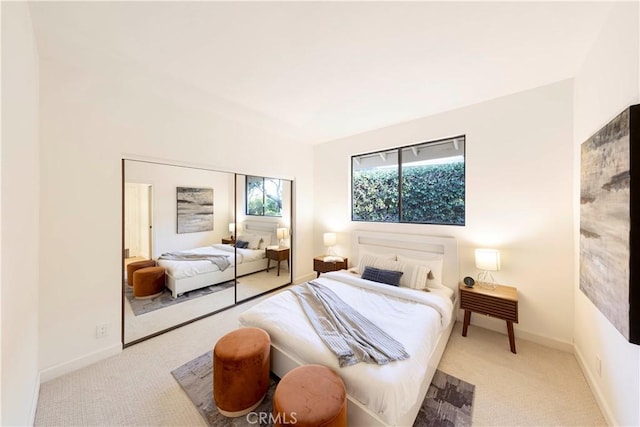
{"x":487,"y":260}
{"x":232,"y":229}
{"x":282,"y":234}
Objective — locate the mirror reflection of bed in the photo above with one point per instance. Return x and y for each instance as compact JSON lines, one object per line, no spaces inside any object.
{"x":197,"y":279}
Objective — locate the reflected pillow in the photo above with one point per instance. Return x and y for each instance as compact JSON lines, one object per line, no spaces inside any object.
{"x":265,"y":239}
{"x":388,"y":277}
{"x":241,"y":244}
{"x":253,"y":239}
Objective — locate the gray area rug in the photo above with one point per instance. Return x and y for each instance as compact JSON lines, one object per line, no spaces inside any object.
{"x":449,"y":401}
{"x":142,"y":306}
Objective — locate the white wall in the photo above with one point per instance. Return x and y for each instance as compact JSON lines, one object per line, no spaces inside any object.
{"x":165,"y":179}
{"x":90,"y":120}
{"x":606,"y":84}
{"x":19,"y":226}
{"x":518,"y":198}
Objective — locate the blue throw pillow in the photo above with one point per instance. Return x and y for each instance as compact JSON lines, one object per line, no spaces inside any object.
{"x":241,"y":244}
{"x":388,"y":277}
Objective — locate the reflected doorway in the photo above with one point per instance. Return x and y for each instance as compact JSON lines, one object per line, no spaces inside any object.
{"x":138,"y":222}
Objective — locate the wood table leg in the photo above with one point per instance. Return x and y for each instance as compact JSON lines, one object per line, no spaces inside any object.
{"x":467,"y":320}
{"x":512,"y":338}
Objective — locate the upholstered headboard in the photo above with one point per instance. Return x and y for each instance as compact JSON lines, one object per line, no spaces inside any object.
{"x":260,"y":228}
{"x":411,"y":246}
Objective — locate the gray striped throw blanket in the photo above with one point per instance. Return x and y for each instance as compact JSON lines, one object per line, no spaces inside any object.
{"x":222,"y":261}
{"x":349,"y":335}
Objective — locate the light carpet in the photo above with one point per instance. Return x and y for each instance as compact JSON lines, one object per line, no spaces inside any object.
{"x":449,"y":400}
{"x":165,"y":299}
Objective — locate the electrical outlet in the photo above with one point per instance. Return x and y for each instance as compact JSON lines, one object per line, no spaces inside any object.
{"x":598,"y":366}
{"x":102,"y":330}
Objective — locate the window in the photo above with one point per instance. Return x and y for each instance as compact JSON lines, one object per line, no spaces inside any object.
{"x":264,"y":196}
{"x":422,"y":183}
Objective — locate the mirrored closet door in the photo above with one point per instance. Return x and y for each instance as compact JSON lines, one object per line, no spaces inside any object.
{"x":263,"y":215}
{"x":197,"y":241}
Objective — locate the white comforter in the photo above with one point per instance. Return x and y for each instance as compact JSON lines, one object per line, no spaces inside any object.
{"x":182,"y":269}
{"x":415,"y":318}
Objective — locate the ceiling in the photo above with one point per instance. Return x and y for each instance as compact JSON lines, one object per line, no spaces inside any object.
{"x":324,"y":70}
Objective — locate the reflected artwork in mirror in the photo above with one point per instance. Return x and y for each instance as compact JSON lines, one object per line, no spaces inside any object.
{"x":171,"y":278}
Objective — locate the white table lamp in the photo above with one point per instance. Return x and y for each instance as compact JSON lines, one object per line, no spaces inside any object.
{"x":281,"y":234}
{"x":487,"y":260}
{"x":329,"y":242}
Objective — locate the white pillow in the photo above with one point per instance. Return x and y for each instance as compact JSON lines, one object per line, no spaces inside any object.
{"x":253,"y":239}
{"x":378,"y":262}
{"x":265,"y":240}
{"x":372,"y":258}
{"x":415,"y":275}
{"x":434,"y":267}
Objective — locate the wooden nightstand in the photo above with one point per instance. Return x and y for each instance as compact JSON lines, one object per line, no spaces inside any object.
{"x":322,"y":266}
{"x":277,"y":254}
{"x":501,"y":302}
{"x":228,"y":241}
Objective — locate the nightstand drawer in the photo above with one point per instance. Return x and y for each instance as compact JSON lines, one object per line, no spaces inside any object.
{"x":489,"y":305}
{"x":322,"y":266}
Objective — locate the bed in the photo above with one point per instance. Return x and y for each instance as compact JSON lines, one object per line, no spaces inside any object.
{"x":422,"y":321}
{"x":185,"y":276}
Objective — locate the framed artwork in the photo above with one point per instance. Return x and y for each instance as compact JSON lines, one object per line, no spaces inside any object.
{"x":608,"y":236}
{"x":195,"y":209}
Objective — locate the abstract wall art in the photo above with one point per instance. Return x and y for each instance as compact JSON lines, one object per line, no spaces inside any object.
{"x":195,"y":209}
{"x":608,"y":235}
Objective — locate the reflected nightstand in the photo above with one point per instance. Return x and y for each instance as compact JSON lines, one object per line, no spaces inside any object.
{"x":277,"y":254}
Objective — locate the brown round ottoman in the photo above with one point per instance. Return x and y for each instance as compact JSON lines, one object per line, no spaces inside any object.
{"x":148,"y":282}
{"x":131,"y":268}
{"x":314,"y":395}
{"x":241,"y":363}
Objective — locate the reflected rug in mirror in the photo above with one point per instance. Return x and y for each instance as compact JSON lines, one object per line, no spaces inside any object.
{"x":449,"y":401}
{"x":142,"y":306}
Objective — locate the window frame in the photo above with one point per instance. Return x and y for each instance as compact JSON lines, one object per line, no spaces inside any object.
{"x":399,"y":150}
{"x":264,"y":197}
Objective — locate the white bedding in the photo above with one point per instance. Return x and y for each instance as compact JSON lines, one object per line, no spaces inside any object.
{"x":182,"y":269}
{"x":415,"y":318}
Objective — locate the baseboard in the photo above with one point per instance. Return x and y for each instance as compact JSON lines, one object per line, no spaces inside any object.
{"x":499,"y":326}
{"x":73,"y":365}
{"x":593,"y":384}
{"x":557,"y":344}
{"x":34,"y":401}
{"x":304,"y":278}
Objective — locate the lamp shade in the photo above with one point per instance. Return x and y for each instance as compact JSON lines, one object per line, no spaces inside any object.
{"x":282,"y":233}
{"x":232,"y":227}
{"x":329,"y":239}
{"x":488,"y":259}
